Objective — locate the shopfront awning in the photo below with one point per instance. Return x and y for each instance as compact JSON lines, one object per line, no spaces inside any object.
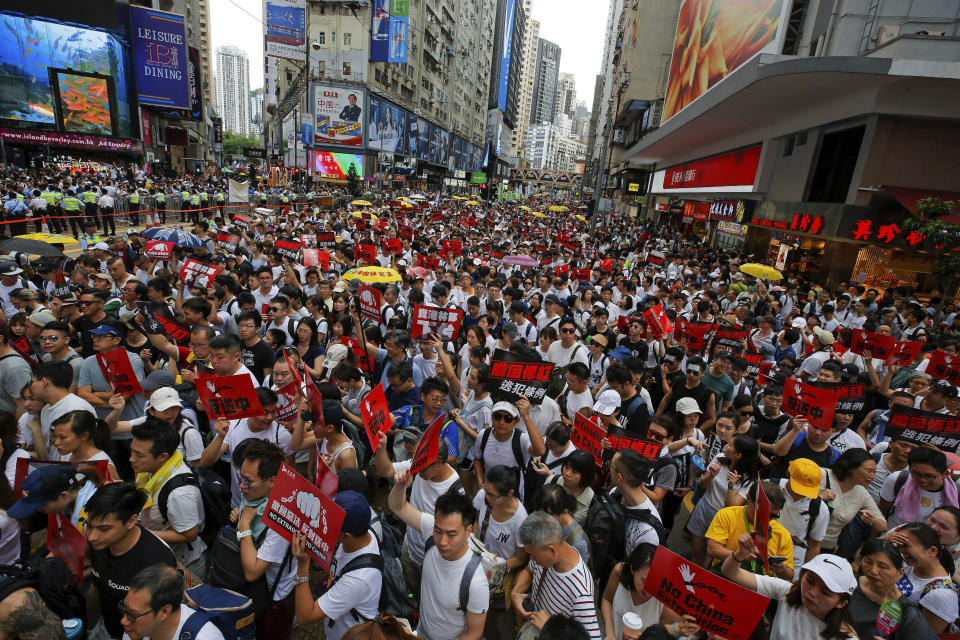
{"x":909,"y":196}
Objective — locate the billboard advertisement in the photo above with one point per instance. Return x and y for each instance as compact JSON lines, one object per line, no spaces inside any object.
{"x":160,"y":56}
{"x":30,"y":47}
{"x":386,"y":130}
{"x":398,"y":39}
{"x":195,"y":83}
{"x":380,"y":31}
{"x":339,"y":115}
{"x":336,"y":165}
{"x":714,"y":39}
{"x":287,"y":29}
{"x":84,"y":103}
{"x":70,"y":140}
{"x":505,"y":50}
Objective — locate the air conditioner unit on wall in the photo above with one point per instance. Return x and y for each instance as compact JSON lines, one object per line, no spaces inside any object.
{"x":887,"y":33}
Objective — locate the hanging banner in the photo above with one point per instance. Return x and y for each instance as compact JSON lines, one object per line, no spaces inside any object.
{"x":429,"y":320}
{"x":720,"y":606}
{"x":230,"y":397}
{"x":369,"y":302}
{"x":924,"y":427}
{"x":816,"y":405}
{"x":296,"y":506}
{"x":286,"y":29}
{"x":587,"y":434}
{"x":376,"y":416}
{"x":118,"y":372}
{"x":159,"y":41}
{"x":512,"y":377}
{"x":428,"y":448}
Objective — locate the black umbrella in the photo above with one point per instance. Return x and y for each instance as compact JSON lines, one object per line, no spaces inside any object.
{"x":30,"y":247}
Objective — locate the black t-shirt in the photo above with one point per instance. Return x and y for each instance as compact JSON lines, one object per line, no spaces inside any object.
{"x":637,"y":349}
{"x":656,"y":389}
{"x":701,"y":393}
{"x":82,"y":328}
{"x":112,"y":574}
{"x":257,"y":358}
{"x":823,"y":458}
{"x":767,"y":429}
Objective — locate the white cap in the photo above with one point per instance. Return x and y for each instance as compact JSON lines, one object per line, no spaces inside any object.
{"x":799,"y":323}
{"x":336,"y":354}
{"x":836,"y":573}
{"x":607,"y":403}
{"x":102,"y":246}
{"x":686,"y":406}
{"x":505,"y":406}
{"x":164,"y":398}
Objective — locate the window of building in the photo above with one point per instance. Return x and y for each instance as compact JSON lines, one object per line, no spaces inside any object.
{"x":835,"y":165}
{"x":346,"y":68}
{"x":322,"y":38}
{"x":333,"y":37}
{"x":347,"y":39}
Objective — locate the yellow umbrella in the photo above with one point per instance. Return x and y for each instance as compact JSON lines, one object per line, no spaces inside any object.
{"x":52,"y":238}
{"x":362,"y":203}
{"x":558,"y":207}
{"x":537,"y":214}
{"x":357,"y":214}
{"x":761,"y":271}
{"x":581,"y":219}
{"x":405,"y":204}
{"x":524,"y":207}
{"x":472,"y":203}
{"x":459,"y":198}
{"x":372,"y":274}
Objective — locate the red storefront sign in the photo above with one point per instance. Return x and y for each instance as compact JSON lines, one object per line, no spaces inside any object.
{"x":738,"y":168}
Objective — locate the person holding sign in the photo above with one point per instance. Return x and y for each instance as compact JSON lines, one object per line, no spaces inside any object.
{"x":813,"y":608}
{"x":336,"y":448}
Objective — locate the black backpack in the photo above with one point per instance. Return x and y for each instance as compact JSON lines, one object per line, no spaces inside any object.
{"x":225,"y":570}
{"x":214,"y":492}
{"x":52,"y":579}
{"x":465,"y":579}
{"x":395,"y":598}
{"x":528,"y":477}
{"x":606,"y":529}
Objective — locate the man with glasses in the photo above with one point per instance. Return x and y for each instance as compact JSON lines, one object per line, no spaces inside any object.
{"x":91,"y":306}
{"x":255,"y":354}
{"x":503,"y":443}
{"x":55,"y":346}
{"x":280,"y":319}
{"x":567,"y":349}
{"x":118,"y":548}
{"x":693,"y":387}
{"x":153,"y":608}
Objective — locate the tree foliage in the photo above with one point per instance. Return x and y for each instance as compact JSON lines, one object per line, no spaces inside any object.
{"x":354,"y":184}
{"x":233,"y":143}
{"x":940,"y":236}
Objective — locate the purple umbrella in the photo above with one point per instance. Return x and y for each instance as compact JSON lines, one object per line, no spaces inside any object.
{"x":525,"y":261}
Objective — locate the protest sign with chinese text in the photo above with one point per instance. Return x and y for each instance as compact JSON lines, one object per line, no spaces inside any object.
{"x":287,"y":408}
{"x":756,"y":365}
{"x":587,"y":434}
{"x":815,"y":404}
{"x":230,"y":397}
{"x":904,"y":352}
{"x":924,"y":427}
{"x":118,"y":372}
{"x":376,"y":416}
{"x":581,"y":274}
{"x":647,"y":449}
{"x":429,"y":320}
{"x":428,"y":448}
{"x":296,"y":506}
{"x":693,"y":334}
{"x":720,"y":606}
{"x":427,"y":262}
{"x":243,"y":222}
{"x":364,"y":361}
{"x":730,"y":338}
{"x":67,"y":543}
{"x":870,"y":344}
{"x":365,"y":252}
{"x":228,"y":242}
{"x":369,"y":302}
{"x":391,"y":246}
{"x":158,"y":249}
{"x":289,"y":249}
{"x":944,"y":366}
{"x":316,"y":258}
{"x":762,"y":524}
{"x":851,"y":397}
{"x":658,"y":322}
{"x":326,"y":239}
{"x":513,"y":377}
{"x":198,"y":274}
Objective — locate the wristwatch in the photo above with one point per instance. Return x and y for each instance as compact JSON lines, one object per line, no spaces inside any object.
{"x":243,"y":534}
{"x":301,"y":580}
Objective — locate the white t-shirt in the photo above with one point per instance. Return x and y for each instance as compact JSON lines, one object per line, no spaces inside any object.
{"x":497,"y":452}
{"x":191,"y":442}
{"x":847,"y":439}
{"x":562,"y":357}
{"x":942,"y":602}
{"x":577,"y":401}
{"x":440,"y":592}
{"x":11,"y":468}
{"x":795,"y":517}
{"x":358,"y":590}
{"x":208,"y":631}
{"x":639,"y":531}
{"x":790,"y":623}
{"x":550,"y":458}
{"x":274,"y":550}
{"x":184,"y":512}
{"x":545,"y":414}
{"x":9,"y":539}
{"x":423,"y":497}
{"x":51,"y":412}
{"x":240,"y":431}
{"x":929,"y":500}
{"x":501,"y":538}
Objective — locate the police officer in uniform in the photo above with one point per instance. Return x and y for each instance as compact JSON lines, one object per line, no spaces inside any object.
{"x":89,"y":199}
{"x":160,"y":206}
{"x":73,"y":208}
{"x":133,"y":201}
{"x":52,"y":196}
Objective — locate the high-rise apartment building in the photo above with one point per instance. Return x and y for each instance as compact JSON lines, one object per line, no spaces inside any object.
{"x":566,"y":95}
{"x":256,"y":112}
{"x":543,"y":105}
{"x":233,"y":89}
{"x":530,"y":38}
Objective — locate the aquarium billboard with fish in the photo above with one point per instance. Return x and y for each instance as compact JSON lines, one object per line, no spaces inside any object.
{"x":84,"y":103}
{"x":715,"y":38}
{"x":30,"y":47}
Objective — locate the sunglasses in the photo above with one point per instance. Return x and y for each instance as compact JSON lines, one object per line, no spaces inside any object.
{"x":48,"y":338}
{"x":503,"y":416}
{"x":745,"y":413}
{"x":87,"y":303}
{"x":568,"y":330}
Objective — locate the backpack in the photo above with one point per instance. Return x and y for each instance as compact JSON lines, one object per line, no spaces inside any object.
{"x":52,"y":579}
{"x":232,"y":613}
{"x":225,"y":570}
{"x":465,"y":579}
{"x":606,"y":529}
{"x":813,"y":511}
{"x":360,"y":444}
{"x":558,"y":377}
{"x":214,"y":492}
{"x":395,"y":597}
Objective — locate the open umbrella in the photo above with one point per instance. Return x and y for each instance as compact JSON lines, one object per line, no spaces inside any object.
{"x":227,"y":170}
{"x":537,"y":214}
{"x":357,"y":214}
{"x":418,"y":196}
{"x":523,"y":261}
{"x":362,"y":203}
{"x":417,"y":272}
{"x":53,"y":238}
{"x":581,"y":218}
{"x":459,"y":198}
{"x":176,"y":235}
{"x":472,"y":203}
{"x":29,"y":247}
{"x":558,"y":207}
{"x":372,"y":274}
{"x":761,"y":271}
{"x":524,"y":207}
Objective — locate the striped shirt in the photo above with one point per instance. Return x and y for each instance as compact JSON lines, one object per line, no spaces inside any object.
{"x":569,"y":594}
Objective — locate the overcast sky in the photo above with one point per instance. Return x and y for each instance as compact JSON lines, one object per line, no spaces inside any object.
{"x":577,"y":27}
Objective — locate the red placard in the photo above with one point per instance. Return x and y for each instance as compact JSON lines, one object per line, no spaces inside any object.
{"x":363,"y":358}
{"x":230,"y":397}
{"x":228,"y":242}
{"x":587,"y":434}
{"x":656,"y":257}
{"x":376,"y":415}
{"x":730,"y":338}
{"x":428,"y":320}
{"x":327,"y":480}
{"x":316,"y":258}
{"x":314,"y":398}
{"x":406,"y":232}
{"x":873,"y":345}
{"x":924,"y":428}
{"x":326,"y":238}
{"x":365,"y":252}
{"x":513,"y":376}
{"x":243,"y":222}
{"x":693,"y":334}
{"x":296,"y":506}
{"x":289,"y":249}
{"x":468,"y":221}
{"x":581,"y":274}
{"x":118,"y":372}
{"x":720,"y":606}
{"x":738,"y":168}
{"x":649,"y":450}
{"x":452,"y":247}
{"x":762,"y":524}
{"x":815,"y":404}
{"x":428,"y":448}
{"x":369,"y":302}
{"x":606,"y":265}
{"x":158,"y":249}
{"x":562,"y":269}
{"x":287,"y":408}
{"x":944,"y":366}
{"x":309,"y":239}
{"x":198,"y":274}
{"x":658,"y":321}
{"x":28,"y":465}
{"x":904,"y":353}
{"x":428,"y":263}
{"x":391,"y":246}
{"x":67,"y":543}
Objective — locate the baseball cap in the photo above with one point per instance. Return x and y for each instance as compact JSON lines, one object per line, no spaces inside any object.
{"x":157,"y":379}
{"x":164,"y":398}
{"x":607,"y":403}
{"x":340,"y":287}
{"x":336,"y":354}
{"x":552,"y":298}
{"x":944,"y":388}
{"x":41,"y":318}
{"x":40,"y":487}
{"x":805,"y":477}
{"x":621,"y":353}
{"x":505,"y":406}
{"x":724,"y":354}
{"x":686,"y":406}
{"x":836,"y":573}
{"x":824,"y":336}
{"x":510,"y":328}
{"x":354,"y":285}
{"x":356,"y":522}
{"x":518,"y":306}
{"x":106,"y":330}
{"x":9,"y":269}
{"x":102,"y":246}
